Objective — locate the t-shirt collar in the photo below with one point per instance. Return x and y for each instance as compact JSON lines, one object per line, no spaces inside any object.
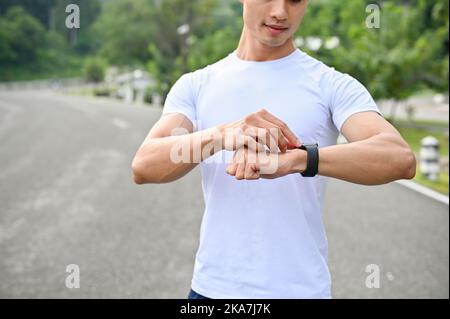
{"x":294,"y":54}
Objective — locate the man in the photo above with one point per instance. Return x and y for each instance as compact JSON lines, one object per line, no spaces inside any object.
{"x":262,"y":234}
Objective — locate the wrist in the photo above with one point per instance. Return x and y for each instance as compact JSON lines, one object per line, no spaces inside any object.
{"x":203,"y":144}
{"x":211,"y":138}
{"x":219,"y":133}
{"x":298,"y":161}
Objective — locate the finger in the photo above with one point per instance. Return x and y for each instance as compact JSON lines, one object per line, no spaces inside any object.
{"x":291,"y":137}
{"x":239,"y":162}
{"x":263,"y":135}
{"x":231,"y":169}
{"x":239,"y":156}
{"x":240,"y":171}
{"x":251,"y":157}
{"x":235,"y":139}
{"x":246,"y":139}
{"x":232,"y":166}
{"x":276,"y":133}
{"x":251,"y":171}
{"x":253,"y":145}
{"x":252,"y":165}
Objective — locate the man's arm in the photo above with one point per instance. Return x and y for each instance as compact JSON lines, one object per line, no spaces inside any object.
{"x":154,"y":162}
{"x":376,"y":154}
{"x":151,"y":163}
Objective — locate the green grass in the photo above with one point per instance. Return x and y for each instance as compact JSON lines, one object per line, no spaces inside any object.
{"x":43,"y":70}
{"x":24,"y":75}
{"x":413,"y":137}
{"x":441,"y":185}
{"x":437,"y":125}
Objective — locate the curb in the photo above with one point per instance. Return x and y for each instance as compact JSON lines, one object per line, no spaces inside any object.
{"x":424,"y":191}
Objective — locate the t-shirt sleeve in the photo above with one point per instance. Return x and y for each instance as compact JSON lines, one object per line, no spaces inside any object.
{"x":182,"y":99}
{"x":349,"y":96}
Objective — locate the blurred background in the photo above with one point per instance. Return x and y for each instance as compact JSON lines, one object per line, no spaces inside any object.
{"x":76,"y":101}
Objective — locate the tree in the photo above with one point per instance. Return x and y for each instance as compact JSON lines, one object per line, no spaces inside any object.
{"x":22,"y":35}
{"x":37,"y":8}
{"x":94,"y":69}
{"x":26,"y":48}
{"x":407,"y":53}
{"x":85,"y":37}
{"x":214,"y":47}
{"x":170,"y":50}
{"x":124,"y":30}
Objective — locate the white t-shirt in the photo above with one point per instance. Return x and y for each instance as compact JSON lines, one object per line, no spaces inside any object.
{"x":265,"y":238}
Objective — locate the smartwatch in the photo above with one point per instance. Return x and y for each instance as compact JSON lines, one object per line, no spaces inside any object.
{"x":312,"y":159}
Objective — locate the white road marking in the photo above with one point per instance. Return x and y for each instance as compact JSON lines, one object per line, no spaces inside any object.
{"x":120,"y":123}
{"x":424,"y":191}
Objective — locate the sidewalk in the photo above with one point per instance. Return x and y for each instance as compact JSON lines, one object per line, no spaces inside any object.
{"x":430,"y":108}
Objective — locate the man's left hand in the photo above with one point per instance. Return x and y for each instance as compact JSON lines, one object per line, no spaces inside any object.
{"x":250,"y":165}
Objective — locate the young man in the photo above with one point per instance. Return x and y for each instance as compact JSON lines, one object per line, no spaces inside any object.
{"x":262,"y":234}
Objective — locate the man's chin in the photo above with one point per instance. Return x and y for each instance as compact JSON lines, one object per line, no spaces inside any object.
{"x":273,"y":43}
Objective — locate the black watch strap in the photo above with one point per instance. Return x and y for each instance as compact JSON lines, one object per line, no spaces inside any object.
{"x":312,"y":159}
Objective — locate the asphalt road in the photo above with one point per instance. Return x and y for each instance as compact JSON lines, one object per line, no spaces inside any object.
{"x":67,"y":197}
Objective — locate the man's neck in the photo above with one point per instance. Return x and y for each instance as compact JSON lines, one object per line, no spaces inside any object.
{"x":250,"y":49}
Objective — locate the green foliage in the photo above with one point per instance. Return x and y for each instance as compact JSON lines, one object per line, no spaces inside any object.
{"x":169,"y":50}
{"x":29,"y":51}
{"x":85,"y":37}
{"x":52,"y":16}
{"x":414,"y":138}
{"x":213,"y":47}
{"x":16,"y":25}
{"x":441,"y":185}
{"x":409,"y":51}
{"x":37,"y":8}
{"x":124,"y":31}
{"x":94,"y":69}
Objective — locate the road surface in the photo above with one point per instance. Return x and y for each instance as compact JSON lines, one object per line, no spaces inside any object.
{"x":67,"y":197}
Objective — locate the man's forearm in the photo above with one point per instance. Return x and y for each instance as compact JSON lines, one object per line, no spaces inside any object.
{"x":380,"y":159}
{"x":165,"y":159}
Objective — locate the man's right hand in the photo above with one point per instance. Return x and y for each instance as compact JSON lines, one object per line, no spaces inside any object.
{"x":256,"y":130}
